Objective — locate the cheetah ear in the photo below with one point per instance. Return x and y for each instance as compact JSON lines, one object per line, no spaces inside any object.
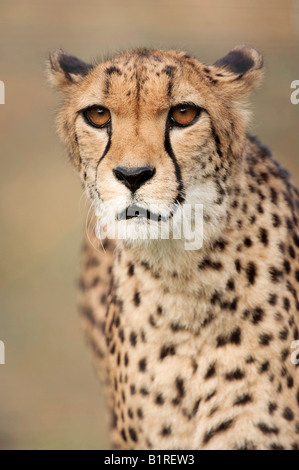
{"x":64,"y":69}
{"x":239,"y":71}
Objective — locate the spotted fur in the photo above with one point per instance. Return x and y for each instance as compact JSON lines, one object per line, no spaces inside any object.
{"x":193,"y":346}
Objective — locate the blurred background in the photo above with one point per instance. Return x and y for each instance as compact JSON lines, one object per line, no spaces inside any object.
{"x":49,"y":395}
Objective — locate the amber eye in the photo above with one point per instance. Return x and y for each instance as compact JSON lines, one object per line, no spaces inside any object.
{"x":183,"y":114}
{"x":97,"y":116}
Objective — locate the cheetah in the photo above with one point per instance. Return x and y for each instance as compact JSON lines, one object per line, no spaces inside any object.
{"x":194,"y":346}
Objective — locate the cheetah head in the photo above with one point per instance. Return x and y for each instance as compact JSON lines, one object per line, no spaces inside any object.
{"x":152,"y":131}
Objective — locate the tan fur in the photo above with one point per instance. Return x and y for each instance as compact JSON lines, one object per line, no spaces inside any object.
{"x":193,"y":346}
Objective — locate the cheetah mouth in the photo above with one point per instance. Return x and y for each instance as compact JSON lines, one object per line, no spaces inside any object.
{"x":136,"y":212}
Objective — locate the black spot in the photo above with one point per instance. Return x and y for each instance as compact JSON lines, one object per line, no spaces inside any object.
{"x":133,"y":338}
{"x":264,"y":367}
{"x":265,"y":338}
{"x":133,"y":434}
{"x":159,"y":399}
{"x":257,"y":315}
{"x":263,"y":235}
{"x":286,"y":304}
{"x":207,"y":263}
{"x":126,"y":359}
{"x":211,"y":371}
{"x":123,"y":435}
{"x":166,"y":431}
{"x":276,"y":274}
{"x":267,"y":429}
{"x":210,"y":395}
{"x":159,"y":310}
{"x":287,"y":266}
{"x":290,"y":381}
{"x":140,"y":413}
{"x":296,"y":240}
{"x":272,"y":299}
{"x":217,"y":429}
{"x":145,"y":265}
{"x":248,"y":445}
{"x":221,"y":341}
{"x":169,"y":70}
{"x":167,"y":350}
{"x":288,"y":414}
{"x":236,"y":374}
{"x":234,"y":304}
{"x":247,"y":241}
{"x":276,"y":222}
{"x":284,"y":354}
{"x":243,"y":399}
{"x":251,"y":272}
{"x":131,"y":269}
{"x":220,"y":244}
{"x":272,"y":407}
{"x":180,"y":387}
{"x":273,"y":195}
{"x":230,"y":285}
{"x":238,"y":265}
{"x":94,"y":282}
{"x":249,"y":360}
{"x":276,"y":446}
{"x":259,"y":208}
{"x":283,"y":334}
{"x":121,"y":335}
{"x":137,"y":299}
{"x":292,"y":252}
{"x":176,"y":327}
{"x":152,"y":321}
{"x":235,"y":337}
{"x":142,"y":365}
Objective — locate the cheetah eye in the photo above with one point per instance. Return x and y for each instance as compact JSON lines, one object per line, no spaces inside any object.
{"x":97,"y":116}
{"x":184,"y":114}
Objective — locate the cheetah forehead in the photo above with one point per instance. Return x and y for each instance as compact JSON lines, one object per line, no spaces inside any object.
{"x":156,"y":77}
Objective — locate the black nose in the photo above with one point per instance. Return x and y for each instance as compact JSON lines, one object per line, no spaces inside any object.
{"x":133,"y":178}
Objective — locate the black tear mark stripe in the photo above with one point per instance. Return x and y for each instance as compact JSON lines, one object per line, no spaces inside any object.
{"x":167,"y":145}
{"x":109,"y":131}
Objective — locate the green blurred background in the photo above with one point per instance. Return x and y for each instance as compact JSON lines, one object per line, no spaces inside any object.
{"x":49,"y":395}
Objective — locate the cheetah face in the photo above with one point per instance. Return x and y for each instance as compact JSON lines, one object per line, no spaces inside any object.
{"x":151,"y":131}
